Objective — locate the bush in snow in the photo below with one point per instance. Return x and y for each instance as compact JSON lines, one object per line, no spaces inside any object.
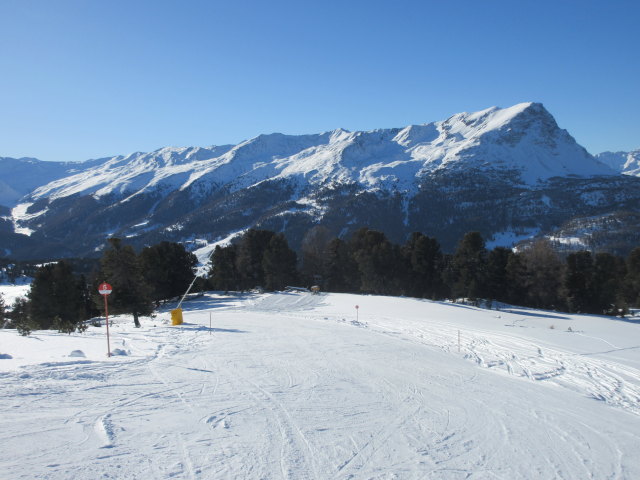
{"x":63,"y":326}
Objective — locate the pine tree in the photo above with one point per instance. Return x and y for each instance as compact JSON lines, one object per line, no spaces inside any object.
{"x":314,"y":254}
{"x":19,"y":316}
{"x":517,"y":280}
{"x":2,"y":310}
{"x":168,"y":269}
{"x":425,"y":262}
{"x":469,"y":267}
{"x":608,"y":275}
{"x":279,"y":264}
{"x":632,"y":279}
{"x":341,"y":269}
{"x":121,"y":268}
{"x":56,"y":293}
{"x":89,"y":308}
{"x":223,"y":274}
{"x":250,"y":252}
{"x":578,"y":282}
{"x":377,"y":261}
{"x":497,"y":285}
{"x":544,"y":271}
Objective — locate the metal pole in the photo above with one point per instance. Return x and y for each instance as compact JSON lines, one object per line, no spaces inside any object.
{"x":209,"y":323}
{"x":106,"y":313}
{"x":187,"y":292}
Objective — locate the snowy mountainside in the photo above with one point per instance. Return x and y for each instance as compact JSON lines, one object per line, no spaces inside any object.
{"x":20,"y":176}
{"x":627,"y":163}
{"x":616,"y":232}
{"x":133,"y":174}
{"x":502,"y":171}
{"x":509,"y":138}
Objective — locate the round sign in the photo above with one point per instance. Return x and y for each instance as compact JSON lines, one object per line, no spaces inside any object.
{"x":104,"y":289}
{"x":357,"y":307}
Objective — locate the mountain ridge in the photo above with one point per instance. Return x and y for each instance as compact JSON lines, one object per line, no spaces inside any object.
{"x":384,"y":178}
{"x":627,"y":163}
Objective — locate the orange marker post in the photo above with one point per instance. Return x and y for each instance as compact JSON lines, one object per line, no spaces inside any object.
{"x":105,"y":289}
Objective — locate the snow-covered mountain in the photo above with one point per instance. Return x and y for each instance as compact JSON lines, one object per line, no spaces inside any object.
{"x":20,"y":176}
{"x":623,"y":162}
{"x":524,"y":139}
{"x":501,"y":171}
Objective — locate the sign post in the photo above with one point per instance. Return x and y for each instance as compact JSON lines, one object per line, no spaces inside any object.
{"x":357,"y":308}
{"x":105,"y":289}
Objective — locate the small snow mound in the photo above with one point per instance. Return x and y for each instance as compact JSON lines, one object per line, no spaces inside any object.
{"x":119,"y":351}
{"x":77,"y":353}
{"x":5,"y":356}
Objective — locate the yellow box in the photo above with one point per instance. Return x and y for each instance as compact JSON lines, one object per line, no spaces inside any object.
{"x":176,"y":316}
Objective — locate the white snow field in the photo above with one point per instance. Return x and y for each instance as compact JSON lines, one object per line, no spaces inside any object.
{"x":293,"y":386}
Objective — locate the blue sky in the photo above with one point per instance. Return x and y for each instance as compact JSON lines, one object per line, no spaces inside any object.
{"x":88,"y":79}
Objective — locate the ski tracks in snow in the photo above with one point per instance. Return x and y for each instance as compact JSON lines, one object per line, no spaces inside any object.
{"x":299,"y":393}
{"x":604,"y":380}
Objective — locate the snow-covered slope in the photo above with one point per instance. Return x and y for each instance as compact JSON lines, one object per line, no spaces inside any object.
{"x":627,"y":163}
{"x":295,"y":386}
{"x":20,"y":176}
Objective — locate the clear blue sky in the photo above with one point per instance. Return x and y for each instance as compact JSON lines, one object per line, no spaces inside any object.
{"x":87,"y":78}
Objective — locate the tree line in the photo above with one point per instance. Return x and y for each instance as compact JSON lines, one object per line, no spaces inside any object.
{"x":60,"y":299}
{"x":367,"y":262}
{"x":538,"y":277}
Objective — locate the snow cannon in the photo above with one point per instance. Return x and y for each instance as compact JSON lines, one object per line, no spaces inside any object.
{"x":176,"y":316}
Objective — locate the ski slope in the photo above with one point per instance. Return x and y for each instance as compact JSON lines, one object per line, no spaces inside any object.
{"x":296,"y":386}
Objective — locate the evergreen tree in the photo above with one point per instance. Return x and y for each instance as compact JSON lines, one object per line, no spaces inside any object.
{"x":168,"y":269}
{"x":249,"y":257}
{"x":377,"y":261}
{"x":497,"y":279}
{"x":469,"y":267}
{"x":517,"y":280}
{"x":314,"y":254}
{"x":632,"y":280}
{"x":578,"y":282}
{"x":56,"y":293}
{"x":121,"y":268}
{"x":223,"y":274}
{"x":19,"y":316}
{"x":341,"y":269}
{"x":279,"y":264}
{"x":609,"y":272}
{"x":544,"y":271}
{"x":88,"y":308}
{"x":425,"y":262}
{"x":2,"y":310}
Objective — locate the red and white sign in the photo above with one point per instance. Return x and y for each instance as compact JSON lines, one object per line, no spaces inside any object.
{"x":104,"y":289}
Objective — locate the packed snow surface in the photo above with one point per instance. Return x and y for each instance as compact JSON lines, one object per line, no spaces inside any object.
{"x":301,"y":386}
